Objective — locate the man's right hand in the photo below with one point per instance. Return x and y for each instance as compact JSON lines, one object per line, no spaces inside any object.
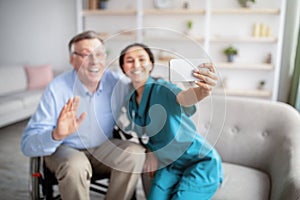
{"x":67,"y":122}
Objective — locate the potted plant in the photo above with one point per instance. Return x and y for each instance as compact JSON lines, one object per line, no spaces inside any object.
{"x":230,"y":52}
{"x":102,"y":4}
{"x":261,"y":85}
{"x":246,"y":3}
{"x":189,"y":26}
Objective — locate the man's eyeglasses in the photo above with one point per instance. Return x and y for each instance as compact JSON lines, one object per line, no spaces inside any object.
{"x":96,"y":55}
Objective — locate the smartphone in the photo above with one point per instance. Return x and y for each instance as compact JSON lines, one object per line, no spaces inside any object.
{"x":181,"y":70}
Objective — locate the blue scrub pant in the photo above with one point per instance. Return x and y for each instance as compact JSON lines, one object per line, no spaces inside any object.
{"x":176,"y":184}
{"x":162,"y":194}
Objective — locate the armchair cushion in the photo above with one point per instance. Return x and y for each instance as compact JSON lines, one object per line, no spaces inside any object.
{"x":240,"y":181}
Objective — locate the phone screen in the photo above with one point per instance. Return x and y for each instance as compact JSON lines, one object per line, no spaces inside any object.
{"x":181,"y":70}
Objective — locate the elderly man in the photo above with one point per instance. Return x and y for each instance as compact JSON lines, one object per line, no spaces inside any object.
{"x":73,"y":124}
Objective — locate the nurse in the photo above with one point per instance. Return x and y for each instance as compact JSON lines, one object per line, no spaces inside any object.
{"x":188,"y":167}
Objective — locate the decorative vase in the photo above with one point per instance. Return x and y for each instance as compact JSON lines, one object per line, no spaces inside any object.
{"x":230,"y":58}
{"x":102,"y":4}
{"x":245,"y":3}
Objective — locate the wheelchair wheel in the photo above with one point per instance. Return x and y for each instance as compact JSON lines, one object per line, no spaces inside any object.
{"x":35,"y":179}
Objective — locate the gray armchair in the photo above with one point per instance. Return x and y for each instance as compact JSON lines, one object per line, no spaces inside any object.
{"x":259,"y":142}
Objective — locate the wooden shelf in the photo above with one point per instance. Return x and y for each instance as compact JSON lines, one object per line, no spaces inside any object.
{"x":174,"y":11}
{"x":244,"y":92}
{"x":121,"y":36}
{"x":243,"y":39}
{"x":181,"y":11}
{"x":266,"y":11}
{"x":108,"y":12}
{"x":217,"y":39}
{"x":166,"y":38}
{"x":244,"y":66}
{"x":233,"y":66}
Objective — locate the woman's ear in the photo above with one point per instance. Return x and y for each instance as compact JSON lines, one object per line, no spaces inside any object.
{"x":151,"y":67}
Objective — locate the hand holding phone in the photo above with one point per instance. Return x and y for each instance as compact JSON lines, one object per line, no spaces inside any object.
{"x":181,"y":70}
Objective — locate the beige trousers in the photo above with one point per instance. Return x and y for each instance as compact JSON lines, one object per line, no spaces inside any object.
{"x":123,"y":160}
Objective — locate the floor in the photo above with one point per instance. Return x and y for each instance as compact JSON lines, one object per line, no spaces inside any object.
{"x":14,"y":166}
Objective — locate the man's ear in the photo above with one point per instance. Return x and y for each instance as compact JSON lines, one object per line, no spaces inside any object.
{"x":72,"y":61}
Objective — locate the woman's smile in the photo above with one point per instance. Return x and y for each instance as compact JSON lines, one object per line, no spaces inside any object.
{"x":137,"y":64}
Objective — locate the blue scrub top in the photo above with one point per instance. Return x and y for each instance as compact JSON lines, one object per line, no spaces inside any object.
{"x":174,"y":139}
{"x":172,"y":133}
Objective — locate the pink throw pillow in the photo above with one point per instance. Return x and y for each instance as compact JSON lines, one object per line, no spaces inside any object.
{"x":38,"y":76}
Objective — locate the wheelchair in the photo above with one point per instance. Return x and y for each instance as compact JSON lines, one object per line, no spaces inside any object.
{"x":42,"y":180}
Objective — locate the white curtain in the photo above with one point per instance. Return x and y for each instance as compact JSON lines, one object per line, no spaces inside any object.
{"x":291,"y":29}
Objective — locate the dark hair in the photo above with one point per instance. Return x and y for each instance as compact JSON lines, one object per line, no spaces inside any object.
{"x":82,"y":36}
{"x":123,"y":52}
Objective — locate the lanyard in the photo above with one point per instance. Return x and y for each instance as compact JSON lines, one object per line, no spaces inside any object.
{"x":144,"y":138}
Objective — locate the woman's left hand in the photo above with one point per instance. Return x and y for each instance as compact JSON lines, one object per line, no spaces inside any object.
{"x":207,"y":81}
{"x":207,"y":77}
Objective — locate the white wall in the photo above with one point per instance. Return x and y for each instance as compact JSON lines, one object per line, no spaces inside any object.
{"x":36,"y":31}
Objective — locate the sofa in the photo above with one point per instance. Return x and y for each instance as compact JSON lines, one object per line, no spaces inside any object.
{"x":259,"y":142}
{"x":21,"y":88}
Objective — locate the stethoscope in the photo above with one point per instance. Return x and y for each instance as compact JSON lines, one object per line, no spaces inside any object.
{"x":144,"y":138}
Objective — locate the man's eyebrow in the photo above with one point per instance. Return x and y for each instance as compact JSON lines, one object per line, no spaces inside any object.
{"x":84,"y":50}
